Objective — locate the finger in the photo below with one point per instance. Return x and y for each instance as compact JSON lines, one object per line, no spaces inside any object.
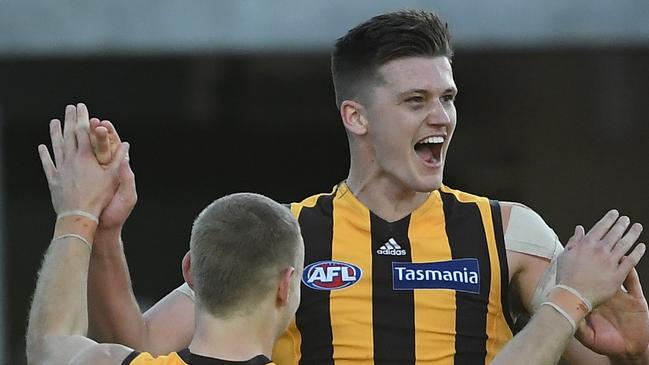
{"x":633,"y":285}
{"x":57,"y":141}
{"x":616,"y":232}
{"x":94,"y":123}
{"x":69,"y":139}
{"x":632,"y":260}
{"x":113,"y":136}
{"x":624,"y":244}
{"x":122,"y":151}
{"x":83,"y":128}
{"x":102,"y":150}
{"x":576,"y":237}
{"x":46,"y":162}
{"x":603,"y":225}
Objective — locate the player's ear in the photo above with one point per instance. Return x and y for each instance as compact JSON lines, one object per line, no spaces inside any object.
{"x":284,"y":287}
{"x":187,"y":275}
{"x":353,"y":116}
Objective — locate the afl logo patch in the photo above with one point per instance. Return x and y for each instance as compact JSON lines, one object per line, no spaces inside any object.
{"x":331,"y":275}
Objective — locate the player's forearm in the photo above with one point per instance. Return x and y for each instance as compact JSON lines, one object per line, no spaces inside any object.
{"x":541,"y":342}
{"x":114,"y":315}
{"x":59,"y":305}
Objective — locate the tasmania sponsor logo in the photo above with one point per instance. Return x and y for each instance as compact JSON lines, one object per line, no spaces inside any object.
{"x":331,"y":275}
{"x":461,"y":275}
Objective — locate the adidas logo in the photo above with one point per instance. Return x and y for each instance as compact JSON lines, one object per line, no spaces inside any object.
{"x":391,"y":248}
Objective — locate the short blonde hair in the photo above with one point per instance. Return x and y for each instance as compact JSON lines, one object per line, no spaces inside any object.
{"x":239,"y":246}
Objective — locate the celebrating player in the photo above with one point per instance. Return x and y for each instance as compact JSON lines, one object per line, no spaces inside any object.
{"x":400,"y":268}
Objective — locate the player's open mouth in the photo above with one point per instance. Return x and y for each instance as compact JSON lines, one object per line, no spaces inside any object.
{"x":429,"y":149}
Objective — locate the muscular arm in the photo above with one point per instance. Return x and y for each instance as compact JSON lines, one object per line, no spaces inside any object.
{"x":80,"y":189}
{"x":57,"y":321}
{"x":547,"y":330}
{"x":526,"y":273}
{"x":115,"y":315}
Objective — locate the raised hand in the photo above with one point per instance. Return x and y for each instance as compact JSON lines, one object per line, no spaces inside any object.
{"x":592,"y":263}
{"x":595,"y":264}
{"x":106,"y":140}
{"x":75,"y":178}
{"x":620,"y":326}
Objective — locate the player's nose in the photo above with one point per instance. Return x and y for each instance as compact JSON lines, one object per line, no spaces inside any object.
{"x":438,"y":114}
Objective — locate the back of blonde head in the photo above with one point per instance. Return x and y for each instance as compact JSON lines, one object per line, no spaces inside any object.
{"x":239,"y":246}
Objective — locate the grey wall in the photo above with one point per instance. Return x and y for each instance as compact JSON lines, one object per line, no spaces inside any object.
{"x":59,"y":28}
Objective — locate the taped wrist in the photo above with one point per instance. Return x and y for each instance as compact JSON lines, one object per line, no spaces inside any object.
{"x":76,"y":226}
{"x":568,"y":302}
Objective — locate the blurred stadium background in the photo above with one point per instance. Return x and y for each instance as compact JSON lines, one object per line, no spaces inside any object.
{"x":224,"y":96}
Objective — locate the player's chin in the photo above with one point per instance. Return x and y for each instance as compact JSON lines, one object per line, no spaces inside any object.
{"x":429,"y":182}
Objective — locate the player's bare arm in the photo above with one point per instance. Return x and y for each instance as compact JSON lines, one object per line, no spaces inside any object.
{"x":590,"y":271}
{"x":621,"y":322}
{"x":114,"y":315}
{"x":80,"y":188}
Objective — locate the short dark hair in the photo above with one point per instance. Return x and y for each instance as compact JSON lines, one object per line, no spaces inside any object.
{"x":359,"y":53}
{"x":239,"y":246}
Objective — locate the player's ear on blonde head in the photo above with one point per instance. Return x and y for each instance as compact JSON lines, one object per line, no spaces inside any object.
{"x":284,"y":287}
{"x":352,"y":114}
{"x":186,"y":265}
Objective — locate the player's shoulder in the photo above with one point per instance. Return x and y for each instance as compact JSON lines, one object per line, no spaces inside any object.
{"x":311,"y":200}
{"x":526,"y":232}
{"x":462,"y":195}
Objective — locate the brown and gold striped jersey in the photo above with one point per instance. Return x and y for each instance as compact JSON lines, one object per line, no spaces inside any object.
{"x":430,"y":288}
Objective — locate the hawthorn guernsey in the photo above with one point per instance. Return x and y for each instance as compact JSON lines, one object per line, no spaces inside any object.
{"x":461,"y":275}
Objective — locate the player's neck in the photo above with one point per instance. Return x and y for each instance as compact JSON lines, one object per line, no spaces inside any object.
{"x":383,"y":197}
{"x":237,"y":338}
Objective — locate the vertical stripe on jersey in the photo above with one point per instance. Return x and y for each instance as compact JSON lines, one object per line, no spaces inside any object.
{"x":466,"y":235}
{"x":502,"y":256}
{"x":392,"y":310}
{"x":435,"y":328}
{"x":313,"y":317}
{"x":351,"y":319}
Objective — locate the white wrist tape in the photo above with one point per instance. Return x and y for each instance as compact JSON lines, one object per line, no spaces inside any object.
{"x":564,"y":314}
{"x":79,"y":213}
{"x":72,"y":235}
{"x":578,"y":295}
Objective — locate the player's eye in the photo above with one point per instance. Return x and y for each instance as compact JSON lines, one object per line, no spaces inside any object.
{"x":448,"y":98}
{"x":418,"y":99}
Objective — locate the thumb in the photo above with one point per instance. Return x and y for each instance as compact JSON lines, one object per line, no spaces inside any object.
{"x":126,"y":189}
{"x":126,"y":175}
{"x":576,"y":237}
{"x":120,"y":155}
